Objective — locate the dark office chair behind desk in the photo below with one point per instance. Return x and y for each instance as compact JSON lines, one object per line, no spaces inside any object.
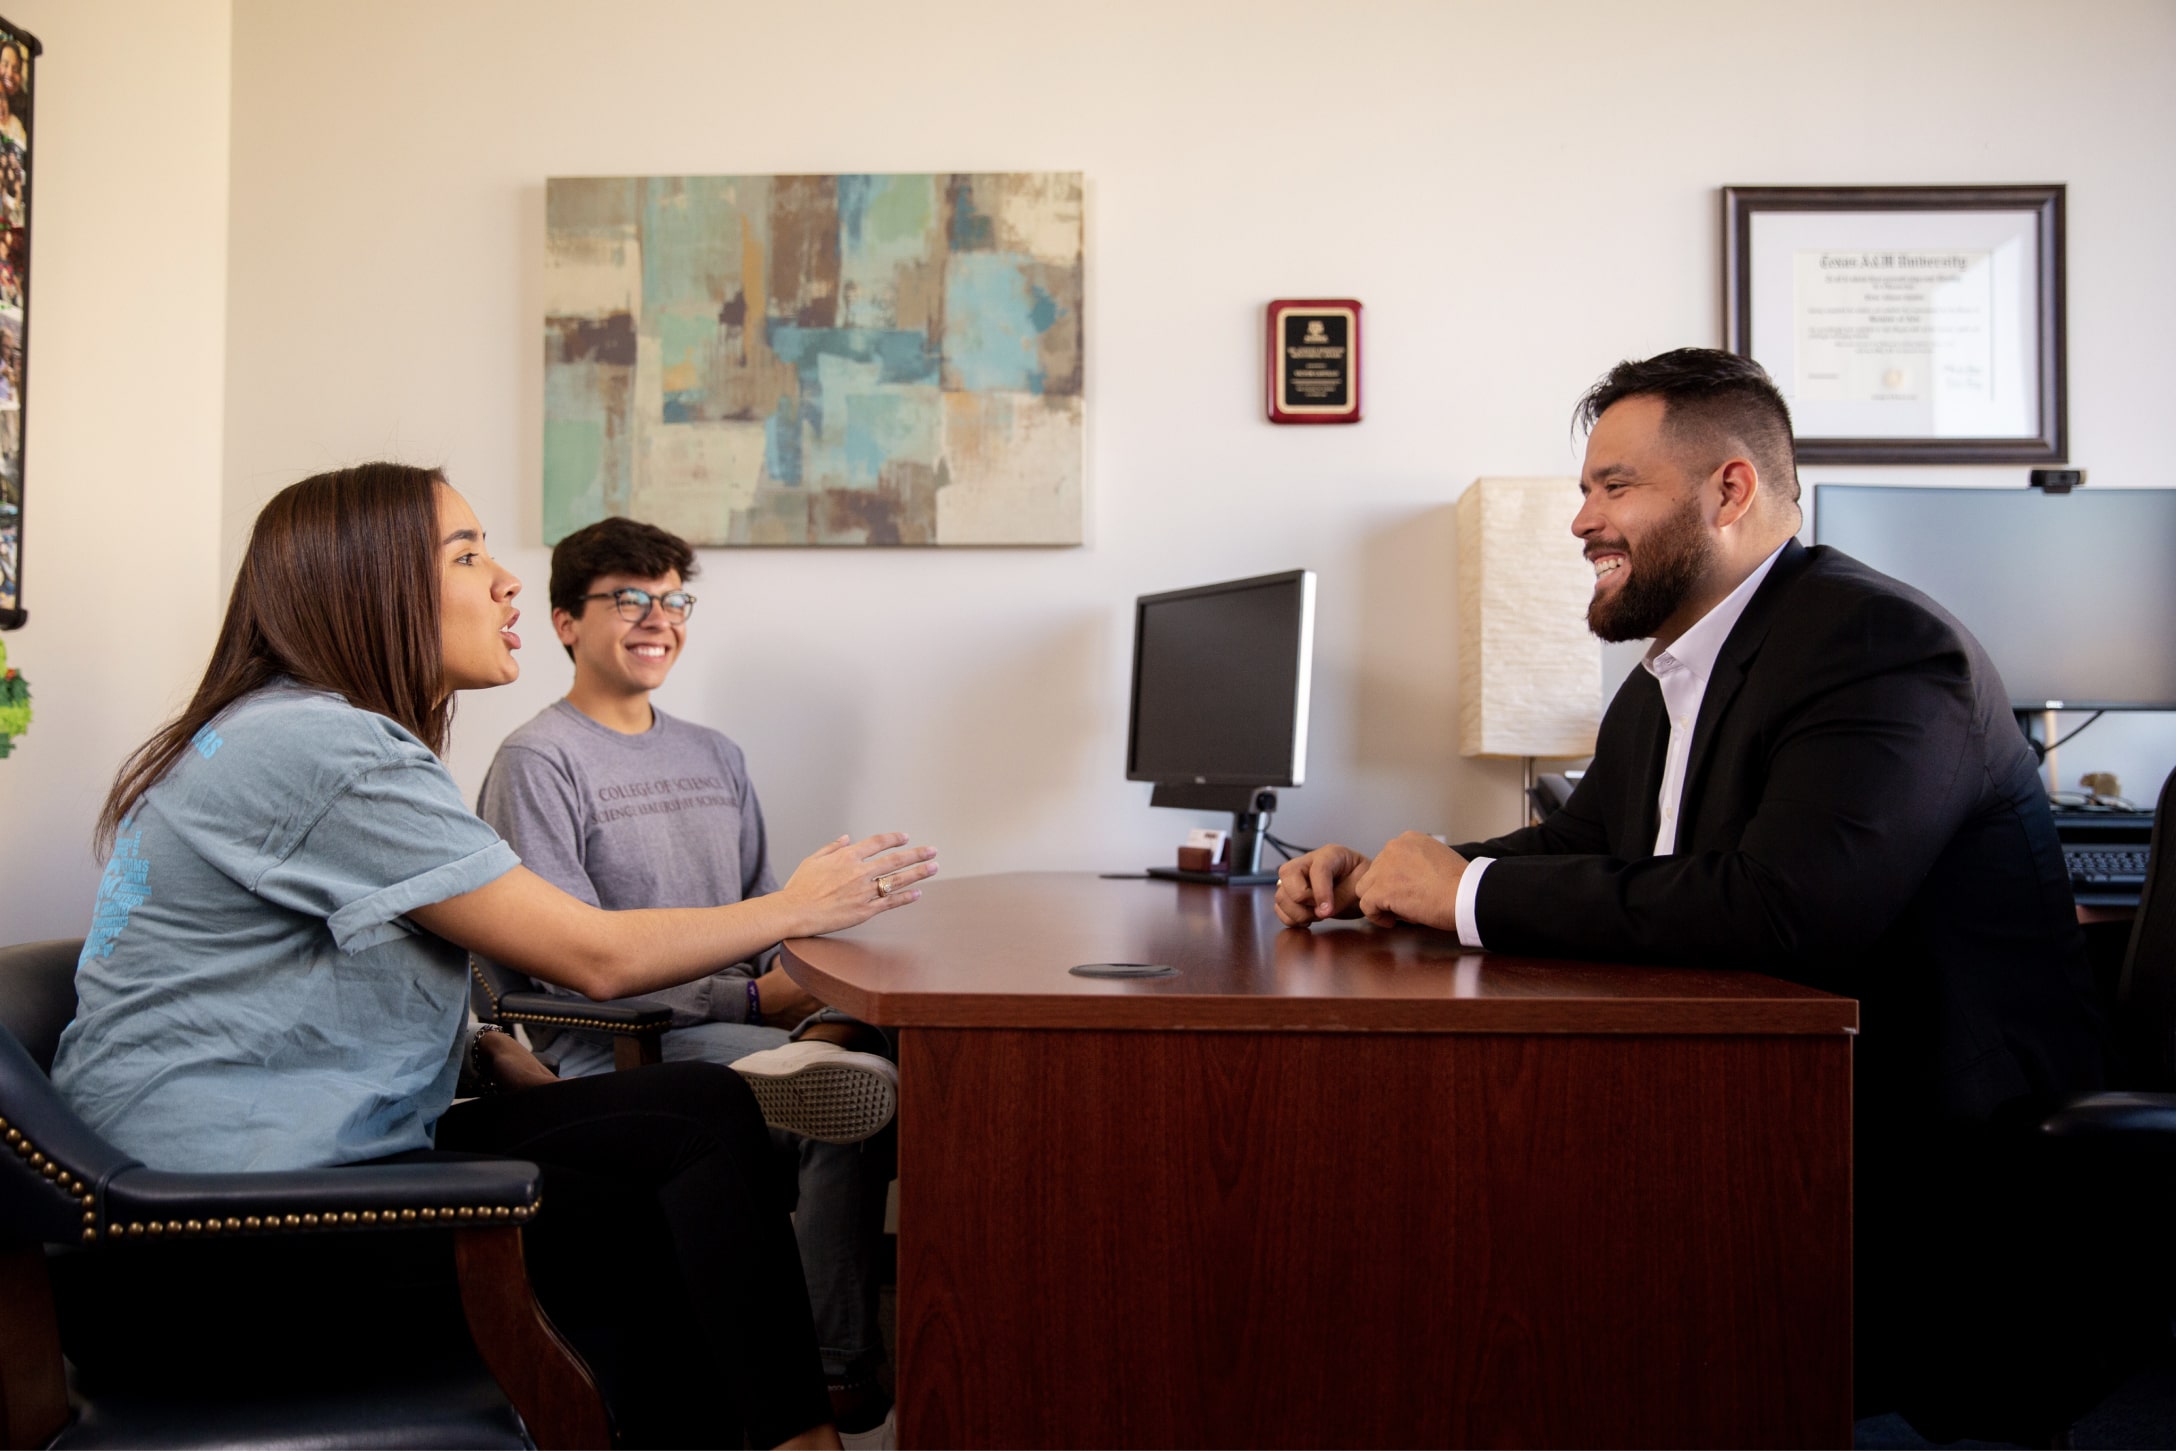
{"x":2142,"y":1118}
{"x":2118,"y":1148}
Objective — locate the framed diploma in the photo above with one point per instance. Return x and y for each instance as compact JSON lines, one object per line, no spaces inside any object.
{"x":1314,"y":361}
{"x":1904,"y":324}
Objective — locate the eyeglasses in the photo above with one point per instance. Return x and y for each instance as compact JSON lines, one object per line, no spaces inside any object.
{"x":634,"y":604}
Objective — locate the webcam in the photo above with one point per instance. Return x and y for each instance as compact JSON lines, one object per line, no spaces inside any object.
{"x":2058,"y":481}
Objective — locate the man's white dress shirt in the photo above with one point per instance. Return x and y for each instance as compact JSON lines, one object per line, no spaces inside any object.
{"x":1682,"y":671}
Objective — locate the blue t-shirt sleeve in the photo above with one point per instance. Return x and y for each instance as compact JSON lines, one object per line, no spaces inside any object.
{"x":397,"y":837}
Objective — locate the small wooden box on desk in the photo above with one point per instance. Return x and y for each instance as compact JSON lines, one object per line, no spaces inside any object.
{"x":1346,"y":1186}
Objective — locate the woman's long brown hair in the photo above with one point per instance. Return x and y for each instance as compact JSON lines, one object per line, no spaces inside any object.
{"x":338,"y":590}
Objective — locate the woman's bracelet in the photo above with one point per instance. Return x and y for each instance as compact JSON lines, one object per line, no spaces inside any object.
{"x":477,"y":1067}
{"x":755,"y":1002}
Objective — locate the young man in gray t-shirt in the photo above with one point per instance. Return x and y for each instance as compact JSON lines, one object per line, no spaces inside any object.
{"x":620,"y":804}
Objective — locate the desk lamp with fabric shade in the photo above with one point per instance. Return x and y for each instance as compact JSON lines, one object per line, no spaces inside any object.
{"x":1529,"y":672}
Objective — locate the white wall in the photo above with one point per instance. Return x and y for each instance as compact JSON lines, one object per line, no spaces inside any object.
{"x":1521,"y":194}
{"x":121,"y":509}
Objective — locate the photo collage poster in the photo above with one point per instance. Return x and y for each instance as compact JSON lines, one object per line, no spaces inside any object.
{"x":17,"y":50}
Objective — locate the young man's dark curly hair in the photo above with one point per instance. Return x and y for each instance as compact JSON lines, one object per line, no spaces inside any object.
{"x":614,"y":546}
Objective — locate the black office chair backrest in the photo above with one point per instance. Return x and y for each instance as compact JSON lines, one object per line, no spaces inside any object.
{"x":2147,"y":990}
{"x":38,"y":994}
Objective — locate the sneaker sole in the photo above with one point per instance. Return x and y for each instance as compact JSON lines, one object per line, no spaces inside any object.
{"x":883,"y":1436}
{"x":832,"y":1102}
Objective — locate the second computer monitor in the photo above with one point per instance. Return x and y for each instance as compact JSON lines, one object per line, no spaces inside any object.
{"x":2071,"y":595}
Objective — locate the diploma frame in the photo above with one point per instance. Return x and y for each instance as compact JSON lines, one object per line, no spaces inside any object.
{"x":2026,"y":304}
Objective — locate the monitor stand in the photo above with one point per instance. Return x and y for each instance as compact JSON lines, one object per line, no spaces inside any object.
{"x":1250,"y":807}
{"x":1215,"y":879}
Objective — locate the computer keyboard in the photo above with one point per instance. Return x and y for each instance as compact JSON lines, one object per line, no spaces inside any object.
{"x":2106,"y":866}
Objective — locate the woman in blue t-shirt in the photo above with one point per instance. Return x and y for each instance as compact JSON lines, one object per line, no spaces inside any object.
{"x":276,"y":971}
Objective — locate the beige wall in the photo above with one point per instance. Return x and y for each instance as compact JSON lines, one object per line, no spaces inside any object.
{"x":1521,"y":194}
{"x":128,"y":316}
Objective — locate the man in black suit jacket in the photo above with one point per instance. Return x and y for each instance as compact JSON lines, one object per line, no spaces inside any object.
{"x":1814,"y":774}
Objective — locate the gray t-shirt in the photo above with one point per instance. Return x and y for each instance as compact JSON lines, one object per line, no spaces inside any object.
{"x":250,"y":995}
{"x":662,"y":819}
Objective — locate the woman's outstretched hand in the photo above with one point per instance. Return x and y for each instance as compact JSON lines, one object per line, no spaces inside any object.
{"x":847,"y":882}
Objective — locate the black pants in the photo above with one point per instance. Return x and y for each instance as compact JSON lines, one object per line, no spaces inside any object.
{"x":663,"y":1248}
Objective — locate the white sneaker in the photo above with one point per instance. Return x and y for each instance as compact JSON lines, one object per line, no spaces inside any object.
{"x":822,"y":1091}
{"x":883,"y":1436}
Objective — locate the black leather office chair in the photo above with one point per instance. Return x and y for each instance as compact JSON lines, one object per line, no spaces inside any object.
{"x":2141,"y":1117}
{"x":637,"y":1028}
{"x":2113,"y":1153}
{"x":291,"y":1308}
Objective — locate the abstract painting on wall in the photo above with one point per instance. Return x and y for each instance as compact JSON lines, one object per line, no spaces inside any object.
{"x":816,"y":360}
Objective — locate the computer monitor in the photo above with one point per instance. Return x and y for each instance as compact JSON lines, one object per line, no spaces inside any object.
{"x":1219,"y":712}
{"x":2070,"y":594}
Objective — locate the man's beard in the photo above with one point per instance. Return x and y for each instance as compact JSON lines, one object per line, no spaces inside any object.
{"x":1661,"y":572}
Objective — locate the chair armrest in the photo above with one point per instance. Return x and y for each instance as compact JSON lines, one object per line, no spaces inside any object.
{"x":141,"y":1203}
{"x":550,"y":1010}
{"x":61,"y":1183}
{"x":52,"y":1167}
{"x":2136,"y":1122}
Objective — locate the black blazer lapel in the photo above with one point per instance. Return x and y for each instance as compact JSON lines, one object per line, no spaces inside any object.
{"x":1648,"y":744}
{"x":1740,"y":648}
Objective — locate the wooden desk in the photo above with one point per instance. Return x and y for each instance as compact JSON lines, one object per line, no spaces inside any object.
{"x":1346,"y":1186}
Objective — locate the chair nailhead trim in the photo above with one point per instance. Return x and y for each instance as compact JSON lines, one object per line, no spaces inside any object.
{"x":77,"y":1190}
{"x":330,"y":1219}
{"x":484,"y":983}
{"x":54,"y":1174}
{"x":628,"y":1030}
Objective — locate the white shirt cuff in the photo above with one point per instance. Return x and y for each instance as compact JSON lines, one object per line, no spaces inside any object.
{"x":1469,"y":885}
